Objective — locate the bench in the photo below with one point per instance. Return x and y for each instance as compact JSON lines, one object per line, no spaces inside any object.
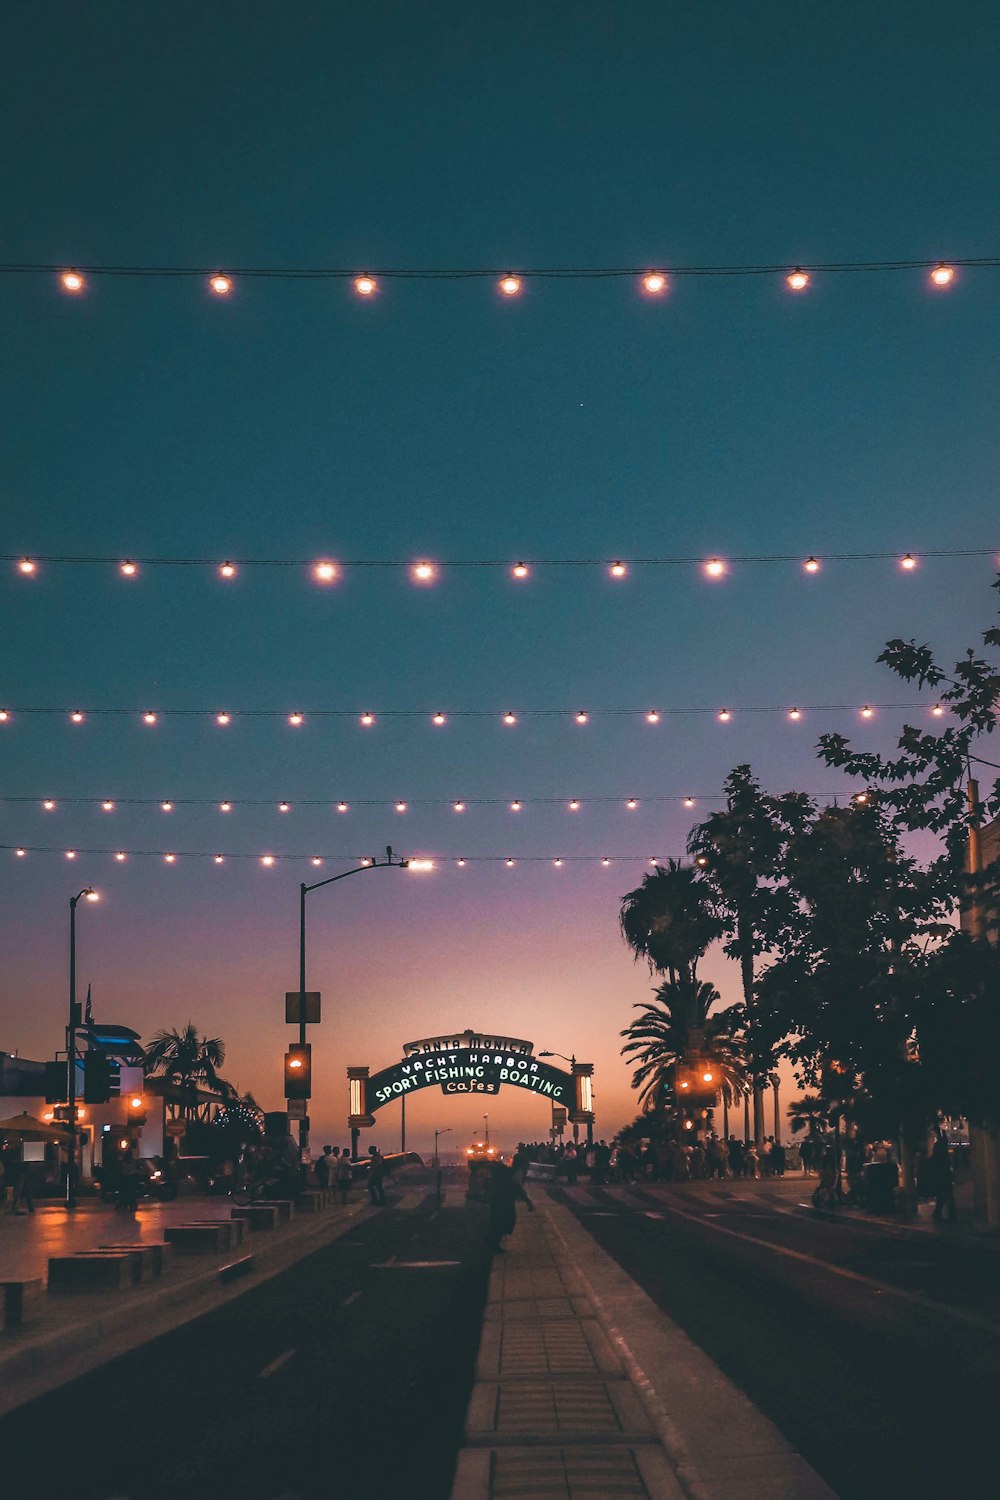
{"x":285,"y":1207}
{"x":20,"y":1302}
{"x":257,"y":1215}
{"x":152,"y":1257}
{"x":237,"y":1229}
{"x":236,"y":1269}
{"x":99,"y":1271}
{"x":311,"y":1200}
{"x":198,"y":1239}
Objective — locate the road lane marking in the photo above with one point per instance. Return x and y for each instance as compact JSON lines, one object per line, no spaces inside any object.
{"x":352,"y":1298}
{"x":878,"y":1287}
{"x":276,"y":1364}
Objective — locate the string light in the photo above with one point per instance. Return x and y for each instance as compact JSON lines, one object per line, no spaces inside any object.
{"x":459,"y":807}
{"x":401,"y":807}
{"x":220,"y":285}
{"x":316,"y":861}
{"x":284,"y":807}
{"x":170,"y":858}
{"x":267,"y":859}
{"x":581,"y":717}
{"x":724,"y":716}
{"x":341,"y":807}
{"x":438,"y":719}
{"x":72,"y":281}
{"x":520,"y":570}
{"x":223,"y":719}
{"x":798,"y":279}
{"x":509,"y":863}
{"x":121,"y":856}
{"x":516,"y":806}
{"x":71,"y":854}
{"x":654,"y":282}
{"x":460,"y":863}
{"x":219,"y":859}
{"x":149,"y":718}
{"x":618,"y":570}
{"x":908,"y":562}
{"x":937,"y":710}
{"x":366,"y":861}
{"x":605,"y":862}
{"x":166,"y":806}
{"x":510,"y":285}
{"x":715,"y":568}
{"x":49,"y":805}
{"x":325,"y":572}
{"x":4,"y":716}
{"x":21,"y":853}
{"x":365,"y":286}
{"x":631,"y":804}
{"x":423,"y":572}
{"x":27,"y":567}
{"x":510,"y":718}
{"x":128,"y":569}
{"x":108,"y":806}
{"x":227,"y":570}
{"x":76,"y":717}
{"x":811,"y":565}
{"x":689,"y":802}
{"x":557,"y":864}
{"x":652,"y":717}
{"x":295,"y":720}
{"x":225,"y":807}
{"x":867,"y":712}
{"x":367,"y":720}
{"x":942,"y":274}
{"x":573,"y":806}
{"x":795,"y":713}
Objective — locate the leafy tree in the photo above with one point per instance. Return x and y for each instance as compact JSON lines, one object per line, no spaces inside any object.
{"x":741,"y":851}
{"x":188,"y":1059}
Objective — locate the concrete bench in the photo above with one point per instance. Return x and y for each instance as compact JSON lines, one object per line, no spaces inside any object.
{"x":100,"y":1271}
{"x":312,"y":1200}
{"x":152,"y":1258}
{"x":198,"y":1239}
{"x":285,"y":1207}
{"x":237,"y":1229}
{"x":257,"y":1215}
{"x":236,"y":1269}
{"x":20,"y":1302}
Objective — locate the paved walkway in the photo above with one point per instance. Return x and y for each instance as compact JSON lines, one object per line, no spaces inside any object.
{"x":585,"y":1389}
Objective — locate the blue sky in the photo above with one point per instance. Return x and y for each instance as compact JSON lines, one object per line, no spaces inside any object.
{"x":295,"y":420}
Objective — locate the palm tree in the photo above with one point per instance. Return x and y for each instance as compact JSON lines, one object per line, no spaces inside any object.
{"x":188,"y":1059}
{"x":667,"y":922}
{"x":809,"y":1113}
{"x":670,"y":1026}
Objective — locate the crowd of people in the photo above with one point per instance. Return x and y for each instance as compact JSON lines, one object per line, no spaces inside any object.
{"x":660,"y":1161}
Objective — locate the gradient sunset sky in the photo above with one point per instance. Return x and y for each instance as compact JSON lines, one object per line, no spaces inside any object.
{"x":580,"y":420}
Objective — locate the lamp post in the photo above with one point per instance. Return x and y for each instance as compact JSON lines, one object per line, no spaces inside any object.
{"x":389,"y":863}
{"x":486,"y":1119}
{"x":572,"y":1063}
{"x":74,"y":1021}
{"x":445,"y":1131}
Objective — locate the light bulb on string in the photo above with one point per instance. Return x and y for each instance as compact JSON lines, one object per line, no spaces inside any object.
{"x":166,"y":807}
{"x":867,"y":712}
{"x":365,"y":286}
{"x":72,"y":281}
{"x":27,"y":566}
{"x":689,"y":802}
{"x":797,"y":280}
{"x":937,"y":710}
{"x":284,"y":807}
{"x":223,"y":719}
{"x":365,"y":860}
{"x":574,"y":805}
{"x":342,"y":807}
{"x":4,"y":716}
{"x":77,"y":716}
{"x":49,"y":805}
{"x":367,"y":720}
{"x":401,"y":807}
{"x":631,"y":804}
{"x":149,"y":717}
{"x":723,"y":716}
{"x":170,"y":859}
{"x":605,"y":862}
{"x":509,"y":717}
{"x":715,"y":568}
{"x":943,"y":274}
{"x":267,"y":859}
{"x":811,"y":565}
{"x":423,"y":572}
{"x":227,"y":570}
{"x":316,"y":861}
{"x":520,"y":570}
{"x":21,"y":853}
{"x":557,"y":864}
{"x":460,"y":863}
{"x":908,"y":562}
{"x":108,"y":806}
{"x":795,"y":714}
{"x":652,"y":717}
{"x":219,"y":859}
{"x":582,"y":717}
{"x":296,"y":719}
{"x":324,"y":571}
{"x":220,"y":285}
{"x":458,"y":807}
{"x":654,"y":283}
{"x":71,"y":854}
{"x":127,"y":568}
{"x":225,"y":807}
{"x":509,"y":863}
{"x":509,"y":285}
{"x":516,"y":806}
{"x":121,"y":856}
{"x":439,"y":719}
{"x":618,"y":570}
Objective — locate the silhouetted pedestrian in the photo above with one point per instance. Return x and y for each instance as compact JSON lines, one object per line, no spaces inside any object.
{"x":944,"y":1184}
{"x":376,"y":1177}
{"x":503,"y":1191}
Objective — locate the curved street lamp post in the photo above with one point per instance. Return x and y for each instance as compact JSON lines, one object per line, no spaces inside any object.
{"x":74,"y":1020}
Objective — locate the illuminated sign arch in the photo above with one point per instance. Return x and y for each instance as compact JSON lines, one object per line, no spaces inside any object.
{"x":470,"y":1062}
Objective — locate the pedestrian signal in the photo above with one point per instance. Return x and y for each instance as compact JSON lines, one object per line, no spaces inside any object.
{"x":696,"y":1085}
{"x":298,"y":1071}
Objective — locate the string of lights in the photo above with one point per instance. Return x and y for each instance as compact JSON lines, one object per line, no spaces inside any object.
{"x":509,"y":718}
{"x":423,"y":571}
{"x":398,"y":805}
{"x":270,"y":861}
{"x":650,"y":281}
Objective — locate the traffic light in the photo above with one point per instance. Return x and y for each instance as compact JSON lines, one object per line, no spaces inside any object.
{"x":96,"y":1078}
{"x":696,"y":1084}
{"x":136,"y":1106}
{"x":56,"y":1082}
{"x":298,"y":1071}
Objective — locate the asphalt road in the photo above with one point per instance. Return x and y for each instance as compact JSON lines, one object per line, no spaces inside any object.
{"x":876,"y":1352}
{"x":347,"y":1375}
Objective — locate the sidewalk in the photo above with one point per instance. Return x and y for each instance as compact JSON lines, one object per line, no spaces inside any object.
{"x":77,"y":1331}
{"x":585,"y":1388}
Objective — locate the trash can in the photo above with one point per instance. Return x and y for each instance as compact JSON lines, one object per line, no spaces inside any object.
{"x":881,"y":1182}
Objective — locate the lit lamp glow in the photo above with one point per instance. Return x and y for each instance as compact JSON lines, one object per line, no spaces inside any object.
{"x":689,"y":802}
{"x":516,"y":806}
{"x":401,"y":807}
{"x":582,"y":717}
{"x":342,"y":807}
{"x":267,"y":859}
{"x":220,"y":285}
{"x":367,"y":720}
{"x":128,"y":569}
{"x":724,"y":716}
{"x":76,"y":717}
{"x":458,"y":807}
{"x":942,"y":274}
{"x":365,"y":286}
{"x":284,"y":807}
{"x":631,"y":804}
{"x":49,"y":805}
{"x":715,"y":568}
{"x":225,"y":807}
{"x":167,"y":806}
{"x":222,"y":719}
{"x":795,"y":713}
{"x":419,"y":865}
{"x":170,"y":859}
{"x":149,"y":718}
{"x":573,"y":806}
{"x":324,"y":572}
{"x":510,"y":285}
{"x":652,"y":717}
{"x":937,"y":710}
{"x":618,"y":570}
{"x":316,"y":860}
{"x":27,"y":567}
{"x":797,"y":280}
{"x":510,"y":718}
{"x":295,"y":720}
{"x":438,"y":719}
{"x":423,"y":572}
{"x":867,"y":713}
{"x":654,"y":282}
{"x":4,"y":716}
{"x":227,"y":570}
{"x":108,"y":806}
{"x":909,"y":562}
{"x":121,"y":856}
{"x":811,"y":565}
{"x":72,"y":281}
{"x":520,"y":570}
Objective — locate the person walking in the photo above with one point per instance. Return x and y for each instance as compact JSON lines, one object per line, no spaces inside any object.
{"x":324,"y":1168}
{"x":503,"y":1191}
{"x":345,"y":1173}
{"x":376,"y":1177}
{"x":570,"y":1164}
{"x":944,"y":1182}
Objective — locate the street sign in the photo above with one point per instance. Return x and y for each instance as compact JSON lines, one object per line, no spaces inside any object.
{"x":176,"y":1127}
{"x":293,"y":1009}
{"x":297,"y":1109}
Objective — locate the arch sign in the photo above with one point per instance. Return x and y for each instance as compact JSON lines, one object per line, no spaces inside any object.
{"x":470,"y":1062}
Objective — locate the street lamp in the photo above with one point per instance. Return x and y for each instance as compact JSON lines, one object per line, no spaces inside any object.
{"x":572,"y":1063}
{"x":389,"y":863}
{"x":487,"y":1141}
{"x":74,"y":1020}
{"x":445,"y":1131}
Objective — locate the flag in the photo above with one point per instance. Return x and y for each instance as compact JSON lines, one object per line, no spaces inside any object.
{"x":88,"y":1014}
